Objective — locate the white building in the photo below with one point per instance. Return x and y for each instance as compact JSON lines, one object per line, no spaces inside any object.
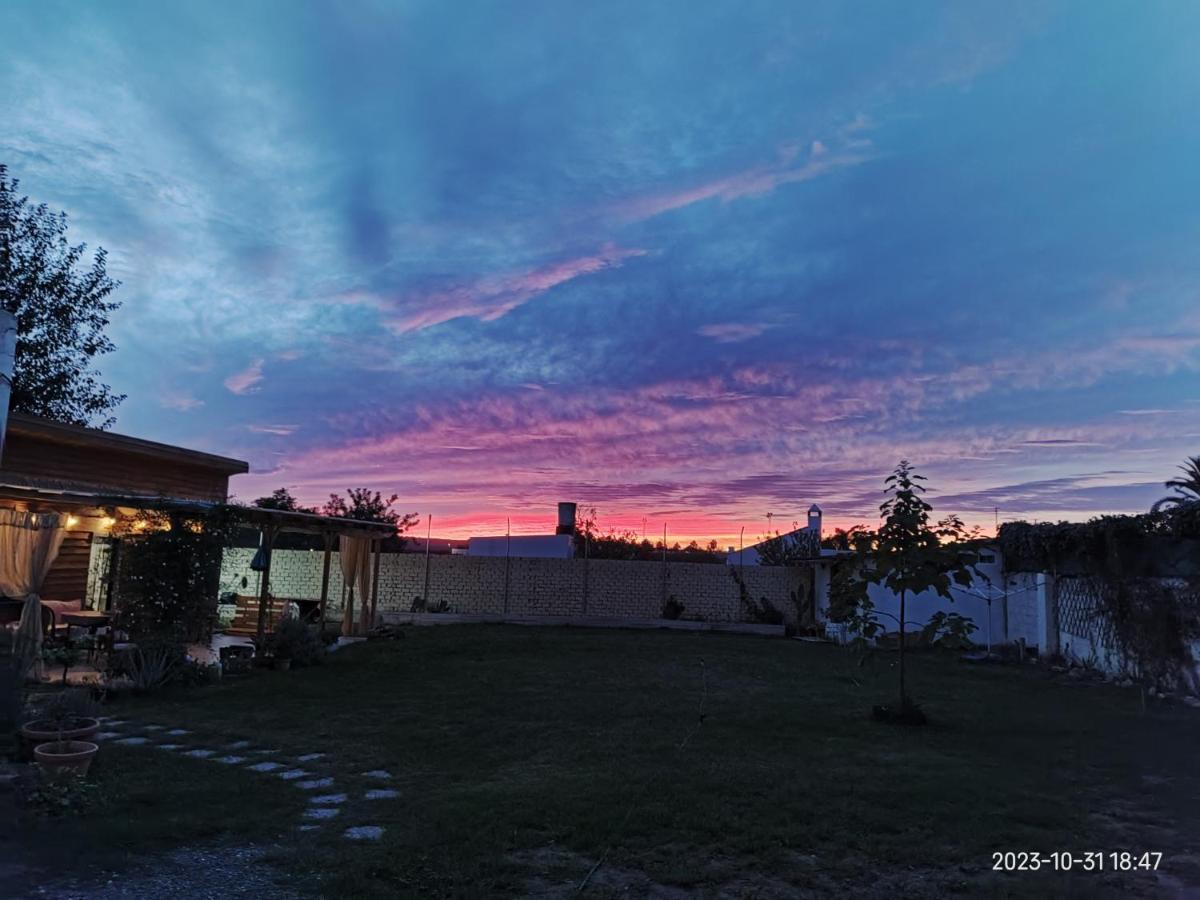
{"x":809,"y":535}
{"x":560,"y":545}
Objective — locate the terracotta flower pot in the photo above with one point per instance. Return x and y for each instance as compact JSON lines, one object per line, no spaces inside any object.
{"x":43,"y":731}
{"x":60,"y":758}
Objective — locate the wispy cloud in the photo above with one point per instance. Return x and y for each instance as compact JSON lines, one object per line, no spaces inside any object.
{"x":282,"y":430}
{"x":493,"y":296}
{"x":732,"y":332}
{"x":179,"y":400}
{"x":247,"y":379}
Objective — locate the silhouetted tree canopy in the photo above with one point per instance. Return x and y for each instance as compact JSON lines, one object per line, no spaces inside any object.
{"x":62,"y":309}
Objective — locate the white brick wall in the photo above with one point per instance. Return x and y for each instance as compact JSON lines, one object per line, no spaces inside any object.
{"x":472,"y":584}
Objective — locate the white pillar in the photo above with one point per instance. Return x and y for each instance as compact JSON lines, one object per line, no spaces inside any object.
{"x":821,"y":591}
{"x":8,"y":353}
{"x":1047,"y":616}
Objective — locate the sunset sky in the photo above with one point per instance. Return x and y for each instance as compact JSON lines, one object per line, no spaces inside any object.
{"x":687,"y":262}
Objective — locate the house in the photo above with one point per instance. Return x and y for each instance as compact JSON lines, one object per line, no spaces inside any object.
{"x":91,"y":477}
{"x":806,"y":540}
{"x":560,"y":545}
{"x":63,"y":488}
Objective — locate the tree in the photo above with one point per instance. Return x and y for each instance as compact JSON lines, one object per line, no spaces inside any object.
{"x":1187,"y":488}
{"x":911,"y":556}
{"x":281,"y":498}
{"x":368,"y":506}
{"x":62,"y":309}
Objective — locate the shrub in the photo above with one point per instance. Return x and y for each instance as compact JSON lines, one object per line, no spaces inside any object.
{"x":169,"y":574}
{"x":672,"y":608}
{"x":294,"y":640}
{"x":950,"y":631}
{"x":149,"y":665}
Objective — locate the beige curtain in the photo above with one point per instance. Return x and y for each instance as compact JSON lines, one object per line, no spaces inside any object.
{"x":29,"y":544}
{"x":354,"y":555}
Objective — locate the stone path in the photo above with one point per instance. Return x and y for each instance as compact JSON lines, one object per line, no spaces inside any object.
{"x":322,"y":807}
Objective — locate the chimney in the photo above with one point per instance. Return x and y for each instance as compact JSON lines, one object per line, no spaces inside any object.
{"x":814,"y":520}
{"x":566,"y":519}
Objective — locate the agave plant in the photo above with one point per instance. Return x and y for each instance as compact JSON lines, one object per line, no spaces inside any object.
{"x":1187,"y":488}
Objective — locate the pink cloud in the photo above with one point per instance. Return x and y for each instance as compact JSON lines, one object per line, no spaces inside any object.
{"x":283,"y":430}
{"x":491,"y":297}
{"x":732,"y":332}
{"x":244,"y":381}
{"x":751,"y":182}
{"x":180,"y":400}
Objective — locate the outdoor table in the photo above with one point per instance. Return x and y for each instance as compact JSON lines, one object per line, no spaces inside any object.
{"x":91,"y":619}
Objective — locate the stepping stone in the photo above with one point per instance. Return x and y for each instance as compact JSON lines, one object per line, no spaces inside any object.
{"x":327,"y":799}
{"x":113,"y":723}
{"x":178,"y":732}
{"x":152,"y":728}
{"x":382,"y":774}
{"x":169,"y":746}
{"x":382,"y":795}
{"x":315,"y":784}
{"x":364,"y":833}
{"x":259,"y":750}
{"x":240,"y":745}
{"x":200,"y":753}
{"x":231,"y":760}
{"x":320,"y":812}
{"x":293,"y":774}
{"x":309,"y":757}
{"x":308,"y":827}
{"x":265,"y":766}
{"x":133,"y":741}
{"x":107,"y":735}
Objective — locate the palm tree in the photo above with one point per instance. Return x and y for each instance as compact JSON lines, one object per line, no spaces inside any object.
{"x":1187,"y":489}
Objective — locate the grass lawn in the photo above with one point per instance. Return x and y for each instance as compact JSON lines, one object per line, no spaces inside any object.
{"x":523,"y":756}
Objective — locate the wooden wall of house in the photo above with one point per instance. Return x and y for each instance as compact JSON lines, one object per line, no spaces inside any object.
{"x":120,"y":470}
{"x":68,"y":577}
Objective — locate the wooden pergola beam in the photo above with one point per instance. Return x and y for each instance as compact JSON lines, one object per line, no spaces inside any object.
{"x":264,"y":590}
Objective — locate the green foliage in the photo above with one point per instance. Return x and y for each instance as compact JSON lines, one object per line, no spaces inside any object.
{"x":789,"y":549}
{"x":67,"y":795}
{"x":366,"y":505}
{"x":61,"y":655}
{"x":169,"y":573}
{"x":672,"y":608}
{"x":761,"y":611}
{"x":62,"y":310}
{"x":949,"y":631}
{"x":592,"y":543}
{"x":66,"y":707}
{"x":1115,"y":546}
{"x":1187,"y":488}
{"x":149,"y":665}
{"x":907,"y":555}
{"x":294,"y":640}
{"x":282,"y":499}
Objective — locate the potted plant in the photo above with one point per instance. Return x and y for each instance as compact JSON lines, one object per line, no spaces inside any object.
{"x":63,"y":757}
{"x":69,"y":716}
{"x":59,"y":734}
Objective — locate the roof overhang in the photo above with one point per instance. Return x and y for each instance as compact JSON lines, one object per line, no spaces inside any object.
{"x":94,"y":438}
{"x":278,"y":519}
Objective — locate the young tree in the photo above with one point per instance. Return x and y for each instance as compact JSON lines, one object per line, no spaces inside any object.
{"x":62,"y":309}
{"x":368,"y":506}
{"x":281,"y":498}
{"x":909,"y":555}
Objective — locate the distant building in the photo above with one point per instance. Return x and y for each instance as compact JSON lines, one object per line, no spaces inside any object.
{"x":560,"y":545}
{"x":807,"y":538}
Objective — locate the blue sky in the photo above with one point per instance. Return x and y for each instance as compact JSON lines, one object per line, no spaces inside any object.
{"x":688,"y":262}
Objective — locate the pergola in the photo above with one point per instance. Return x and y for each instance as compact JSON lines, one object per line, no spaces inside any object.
{"x":360,"y":549}
{"x":360,"y":542}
